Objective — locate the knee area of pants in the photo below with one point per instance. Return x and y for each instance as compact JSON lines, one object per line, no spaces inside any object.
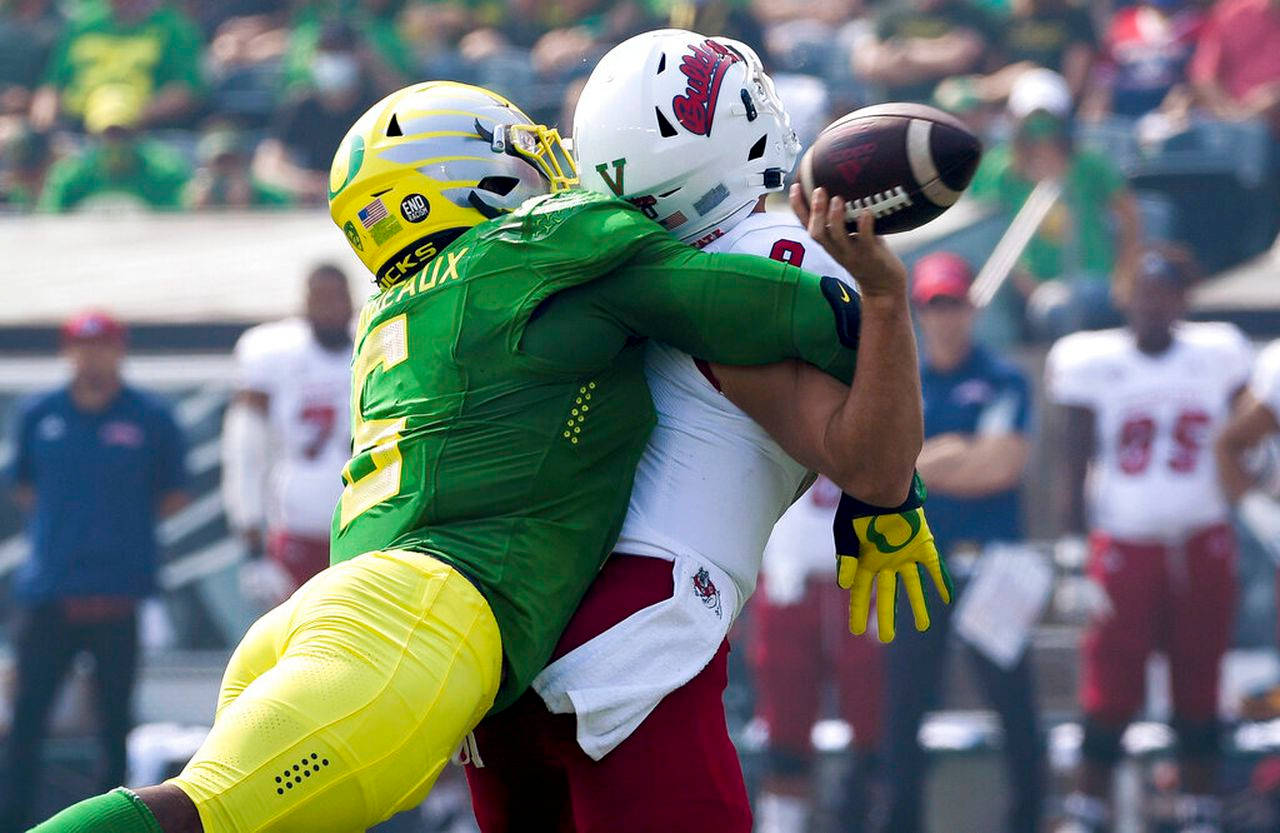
{"x":788,"y":764}
{"x":1101,"y":742}
{"x":1197,"y":739}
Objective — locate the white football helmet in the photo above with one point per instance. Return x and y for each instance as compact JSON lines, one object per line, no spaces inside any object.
{"x":686,"y":127}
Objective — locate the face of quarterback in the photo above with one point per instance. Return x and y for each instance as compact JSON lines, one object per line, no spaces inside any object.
{"x":329,"y":308}
{"x":1155,"y":305}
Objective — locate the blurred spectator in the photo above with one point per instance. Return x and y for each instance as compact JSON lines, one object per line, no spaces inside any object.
{"x":1073,"y":247}
{"x":1145,"y":55}
{"x":1052,"y":34}
{"x":801,"y":605}
{"x":286,"y":437}
{"x":1140,"y":408}
{"x":28,"y":29}
{"x":918,"y":43}
{"x":96,"y":463}
{"x":223,"y":178}
{"x":308,"y":128}
{"x":145,"y":50}
{"x":118,"y":167}
{"x":382,"y":54}
{"x":977,"y":414}
{"x":1236,"y":68}
{"x":25,"y":158}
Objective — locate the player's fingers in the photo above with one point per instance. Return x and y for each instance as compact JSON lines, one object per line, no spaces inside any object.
{"x":867,"y":227}
{"x":846,"y":570}
{"x":886,"y":603}
{"x":860,"y":602}
{"x":818,"y":215}
{"x":934,"y":566}
{"x":798,"y":205}
{"x":915,"y":595}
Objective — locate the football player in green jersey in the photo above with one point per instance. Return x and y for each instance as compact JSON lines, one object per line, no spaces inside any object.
{"x":499,"y":409}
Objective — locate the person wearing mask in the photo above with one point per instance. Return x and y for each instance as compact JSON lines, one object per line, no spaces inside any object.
{"x":287,"y":438}
{"x":307,"y":127}
{"x":97,"y":462}
{"x":977,"y":415}
{"x":223,"y":179}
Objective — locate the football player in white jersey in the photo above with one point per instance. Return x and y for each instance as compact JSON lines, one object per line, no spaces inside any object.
{"x":1254,"y":428}
{"x":1142,"y":407}
{"x":626,"y":730}
{"x":287,"y":436}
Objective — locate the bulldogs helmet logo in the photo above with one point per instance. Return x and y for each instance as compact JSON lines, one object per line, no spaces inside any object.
{"x":706,"y":590}
{"x":704,"y":67}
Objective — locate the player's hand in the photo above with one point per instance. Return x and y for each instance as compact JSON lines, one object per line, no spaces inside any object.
{"x":878,"y":271}
{"x":889,"y":548}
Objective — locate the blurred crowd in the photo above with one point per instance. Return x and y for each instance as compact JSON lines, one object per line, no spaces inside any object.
{"x":1159,"y":118}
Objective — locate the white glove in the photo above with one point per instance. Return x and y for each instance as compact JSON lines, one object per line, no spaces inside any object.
{"x":265,"y":583}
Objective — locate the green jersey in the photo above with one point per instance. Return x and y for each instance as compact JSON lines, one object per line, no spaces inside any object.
{"x":500,"y":405}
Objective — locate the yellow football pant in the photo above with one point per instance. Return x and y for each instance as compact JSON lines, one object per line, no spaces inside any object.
{"x":341,"y":707}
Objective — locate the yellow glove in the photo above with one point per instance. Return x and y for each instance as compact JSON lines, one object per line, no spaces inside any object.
{"x":888,"y":547}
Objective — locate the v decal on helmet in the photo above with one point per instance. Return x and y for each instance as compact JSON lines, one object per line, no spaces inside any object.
{"x":615,"y":185}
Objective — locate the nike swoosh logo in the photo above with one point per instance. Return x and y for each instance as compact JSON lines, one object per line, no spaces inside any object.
{"x":844,"y":295}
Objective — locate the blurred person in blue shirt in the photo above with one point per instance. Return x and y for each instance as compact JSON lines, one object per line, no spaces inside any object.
{"x":96,"y":464}
{"x":976,"y":418}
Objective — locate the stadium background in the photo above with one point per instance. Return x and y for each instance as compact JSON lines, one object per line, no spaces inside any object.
{"x":189,"y":267}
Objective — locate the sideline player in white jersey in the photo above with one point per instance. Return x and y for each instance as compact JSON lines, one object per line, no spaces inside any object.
{"x":287,"y":437}
{"x":626,"y":730}
{"x":1254,"y":428}
{"x":799,"y":605}
{"x":1143,"y":406}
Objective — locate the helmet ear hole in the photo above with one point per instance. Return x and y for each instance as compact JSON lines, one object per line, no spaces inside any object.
{"x":757,"y":150}
{"x":500,"y":185}
{"x":665,"y":127}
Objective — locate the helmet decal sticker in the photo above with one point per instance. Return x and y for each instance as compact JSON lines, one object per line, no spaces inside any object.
{"x":614,"y":182}
{"x":704,"y":67}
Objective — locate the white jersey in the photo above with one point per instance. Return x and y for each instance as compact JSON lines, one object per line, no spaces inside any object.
{"x":802,"y":544}
{"x":1265,"y":383}
{"x":708,"y":489}
{"x":309,"y":415}
{"x":711,"y":482}
{"x":1153,"y":476}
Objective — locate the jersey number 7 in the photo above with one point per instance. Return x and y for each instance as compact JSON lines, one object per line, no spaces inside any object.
{"x":376,"y":442}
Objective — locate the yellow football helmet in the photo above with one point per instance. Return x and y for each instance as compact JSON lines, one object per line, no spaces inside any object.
{"x":430,"y":161}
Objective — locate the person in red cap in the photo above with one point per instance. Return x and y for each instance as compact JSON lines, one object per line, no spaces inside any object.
{"x":96,"y":463}
{"x":977,"y":412}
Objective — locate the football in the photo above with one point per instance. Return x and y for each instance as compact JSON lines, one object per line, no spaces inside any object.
{"x":905,"y":163}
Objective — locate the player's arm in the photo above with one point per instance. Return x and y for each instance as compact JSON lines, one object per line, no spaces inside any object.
{"x":865,"y":437}
{"x":1251,"y":422}
{"x":244,"y":465}
{"x":1077,"y":450}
